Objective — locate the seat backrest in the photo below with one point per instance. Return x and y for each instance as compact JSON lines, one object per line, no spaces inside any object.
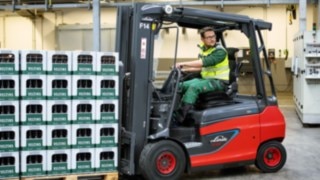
{"x":232,"y":64}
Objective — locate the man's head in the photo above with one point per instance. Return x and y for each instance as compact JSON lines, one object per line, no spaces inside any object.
{"x":208,"y":36}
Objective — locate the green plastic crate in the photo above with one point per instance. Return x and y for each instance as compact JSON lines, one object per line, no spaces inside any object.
{"x":107,"y":63}
{"x":59,"y":112}
{"x":84,"y":63}
{"x":33,"y":163}
{"x":33,"y":112}
{"x":59,"y":162}
{"x":59,"y":62}
{"x":9,"y":113}
{"x":9,"y":139}
{"x":33,"y":62}
{"x":9,"y":167}
{"x":107,"y":87}
{"x":58,"y":136}
{"x":83,"y":136}
{"x":106,"y":135}
{"x":33,"y":87}
{"x":106,"y":159}
{"x":82,"y":160}
{"x":33,"y":137}
{"x":9,"y":62}
{"x":9,"y":87}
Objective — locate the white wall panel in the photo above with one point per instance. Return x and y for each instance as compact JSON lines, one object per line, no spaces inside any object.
{"x":80,"y":37}
{"x":18,"y":33}
{"x":1,"y":32}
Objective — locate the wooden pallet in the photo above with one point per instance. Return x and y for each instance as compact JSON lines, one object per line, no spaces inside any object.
{"x":106,"y":176}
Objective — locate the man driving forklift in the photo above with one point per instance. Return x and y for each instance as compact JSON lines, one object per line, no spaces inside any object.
{"x":213,"y":65}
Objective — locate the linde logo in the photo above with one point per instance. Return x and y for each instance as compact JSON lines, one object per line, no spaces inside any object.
{"x":219,"y":139}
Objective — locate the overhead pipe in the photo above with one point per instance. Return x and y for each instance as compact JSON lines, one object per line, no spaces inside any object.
{"x":96,"y":26}
{"x":174,"y":3}
{"x":13,"y":5}
{"x":302,"y":15}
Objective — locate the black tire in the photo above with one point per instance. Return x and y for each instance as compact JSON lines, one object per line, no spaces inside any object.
{"x":162,"y":160}
{"x":271,"y":157}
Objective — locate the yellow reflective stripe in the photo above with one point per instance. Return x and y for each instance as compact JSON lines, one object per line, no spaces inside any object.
{"x":224,"y":75}
{"x":215,"y":69}
{"x":219,"y":71}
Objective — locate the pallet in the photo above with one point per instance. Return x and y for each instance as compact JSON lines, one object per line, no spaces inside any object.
{"x":105,"y":176}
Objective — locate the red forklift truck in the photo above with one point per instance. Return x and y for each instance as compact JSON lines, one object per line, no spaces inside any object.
{"x":225,"y":129}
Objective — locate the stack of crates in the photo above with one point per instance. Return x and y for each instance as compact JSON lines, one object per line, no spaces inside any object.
{"x":59,"y":112}
{"x":9,"y":114}
{"x":33,"y":113}
{"x":59,"y":108}
{"x":107,"y":111}
{"x":83,"y":111}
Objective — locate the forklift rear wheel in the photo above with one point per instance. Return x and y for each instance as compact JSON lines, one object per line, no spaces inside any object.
{"x":162,"y":160}
{"x":271,"y":157}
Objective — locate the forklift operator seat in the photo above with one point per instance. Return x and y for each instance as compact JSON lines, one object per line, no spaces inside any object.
{"x":216,"y":98}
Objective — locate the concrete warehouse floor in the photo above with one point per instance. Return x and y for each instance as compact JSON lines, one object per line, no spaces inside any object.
{"x":302,"y":145}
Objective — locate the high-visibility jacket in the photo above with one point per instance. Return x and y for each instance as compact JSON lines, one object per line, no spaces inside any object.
{"x":219,"y":71}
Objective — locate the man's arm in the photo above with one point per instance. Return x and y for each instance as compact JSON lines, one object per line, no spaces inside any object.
{"x":193,"y":69}
{"x":214,"y":58}
{"x":190,"y":64}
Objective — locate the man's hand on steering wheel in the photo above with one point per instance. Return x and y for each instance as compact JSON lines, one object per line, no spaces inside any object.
{"x":179,"y":65}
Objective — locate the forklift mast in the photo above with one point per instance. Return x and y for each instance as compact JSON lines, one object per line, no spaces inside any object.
{"x":136,"y":28}
{"x":135,"y":47}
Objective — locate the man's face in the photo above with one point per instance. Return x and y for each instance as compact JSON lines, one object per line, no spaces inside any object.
{"x":209,"y":39}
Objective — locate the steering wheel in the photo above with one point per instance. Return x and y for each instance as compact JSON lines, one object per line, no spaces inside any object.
{"x":172,"y":81}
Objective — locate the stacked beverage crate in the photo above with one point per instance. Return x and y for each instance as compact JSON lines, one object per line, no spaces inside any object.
{"x":107,"y":108}
{"x":9,"y":114}
{"x":59,"y":108}
{"x":33,"y":112}
{"x":83,"y":111}
{"x":59,"y":112}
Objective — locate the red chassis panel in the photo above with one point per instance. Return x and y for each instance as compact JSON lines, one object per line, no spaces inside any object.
{"x":254,"y":129}
{"x":272,"y":124}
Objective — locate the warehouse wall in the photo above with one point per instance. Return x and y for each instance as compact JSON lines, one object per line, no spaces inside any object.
{"x":18,"y":32}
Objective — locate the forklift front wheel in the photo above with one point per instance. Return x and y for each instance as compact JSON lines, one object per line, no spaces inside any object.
{"x":162,"y":160}
{"x":271,"y":157}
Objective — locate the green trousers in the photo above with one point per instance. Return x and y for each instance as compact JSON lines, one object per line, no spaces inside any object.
{"x":192,"y":88}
